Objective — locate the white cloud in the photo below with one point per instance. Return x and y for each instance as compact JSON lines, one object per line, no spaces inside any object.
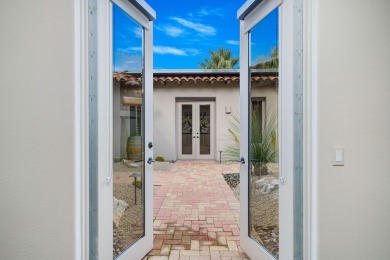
{"x":138,"y":32}
{"x":233,"y":42}
{"x":209,"y":12}
{"x":171,"y":30}
{"x":201,"y":28}
{"x":135,"y":48}
{"x":174,"y":51}
{"x":127,"y":59}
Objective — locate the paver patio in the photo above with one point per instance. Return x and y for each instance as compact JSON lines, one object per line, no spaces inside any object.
{"x":196,"y":214}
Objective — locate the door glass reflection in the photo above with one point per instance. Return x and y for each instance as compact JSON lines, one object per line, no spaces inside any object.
{"x":204,"y":129}
{"x":128,"y":133}
{"x":186,"y":129}
{"x":263,"y":148}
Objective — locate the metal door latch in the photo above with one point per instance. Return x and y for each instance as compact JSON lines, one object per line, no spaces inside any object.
{"x":242,"y":160}
{"x":150,"y":160}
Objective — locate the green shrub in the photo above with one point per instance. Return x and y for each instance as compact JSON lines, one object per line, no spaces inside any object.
{"x":160,"y":158}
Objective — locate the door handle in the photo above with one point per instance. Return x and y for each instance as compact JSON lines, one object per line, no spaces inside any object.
{"x":150,"y":160}
{"x":140,"y":160}
{"x":254,"y":160}
{"x":242,"y":160}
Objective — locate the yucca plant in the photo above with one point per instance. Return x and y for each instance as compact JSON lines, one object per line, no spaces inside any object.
{"x":263,"y":148}
{"x":232,"y":150}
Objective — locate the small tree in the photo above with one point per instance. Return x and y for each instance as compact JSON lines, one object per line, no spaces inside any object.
{"x":220,"y":59}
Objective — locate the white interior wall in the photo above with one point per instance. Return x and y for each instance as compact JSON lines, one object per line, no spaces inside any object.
{"x":37,"y":103}
{"x":354,"y":94}
{"x":165,"y":125}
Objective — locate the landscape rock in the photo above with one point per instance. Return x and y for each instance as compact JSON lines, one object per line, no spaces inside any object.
{"x":119,"y":207}
{"x":130,"y":163}
{"x":267,"y":184}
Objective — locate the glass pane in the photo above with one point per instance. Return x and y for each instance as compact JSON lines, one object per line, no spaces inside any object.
{"x":186,"y":129}
{"x":128,"y":120}
{"x":263,"y":148}
{"x":204,"y":129}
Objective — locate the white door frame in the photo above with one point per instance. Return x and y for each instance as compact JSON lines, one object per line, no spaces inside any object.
{"x":105,"y":125}
{"x":82,"y":59}
{"x":195,"y":155}
{"x":285,"y":126}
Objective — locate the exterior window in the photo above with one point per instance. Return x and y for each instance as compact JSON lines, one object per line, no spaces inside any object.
{"x":258,"y":109}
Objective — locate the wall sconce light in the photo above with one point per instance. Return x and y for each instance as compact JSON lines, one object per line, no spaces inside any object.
{"x":228,"y":109}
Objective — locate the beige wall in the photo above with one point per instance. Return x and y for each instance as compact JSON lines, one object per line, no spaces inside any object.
{"x":165,"y":124}
{"x":37,"y":207}
{"x":354,"y":94}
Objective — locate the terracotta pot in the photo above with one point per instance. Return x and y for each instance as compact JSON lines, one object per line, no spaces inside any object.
{"x":134,"y":148}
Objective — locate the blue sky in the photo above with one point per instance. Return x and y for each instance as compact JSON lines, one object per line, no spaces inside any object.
{"x":185,"y":31}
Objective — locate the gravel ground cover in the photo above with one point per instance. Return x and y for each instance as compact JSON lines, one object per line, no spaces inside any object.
{"x":131,"y":226}
{"x":264,"y":211}
{"x":264,"y":214}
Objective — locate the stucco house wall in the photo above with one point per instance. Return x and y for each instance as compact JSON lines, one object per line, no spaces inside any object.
{"x":165,"y":111}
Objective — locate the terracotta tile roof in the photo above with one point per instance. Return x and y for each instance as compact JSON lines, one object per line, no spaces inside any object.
{"x":195,"y":77}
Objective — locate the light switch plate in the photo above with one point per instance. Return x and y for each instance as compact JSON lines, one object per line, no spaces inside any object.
{"x":338,"y":156}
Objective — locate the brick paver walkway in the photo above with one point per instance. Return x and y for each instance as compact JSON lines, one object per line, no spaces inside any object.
{"x":196,"y":213}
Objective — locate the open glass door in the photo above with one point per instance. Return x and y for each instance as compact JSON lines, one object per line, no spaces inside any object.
{"x":267,"y":208}
{"x":125,"y":130}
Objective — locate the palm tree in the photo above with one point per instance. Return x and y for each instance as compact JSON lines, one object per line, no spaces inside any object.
{"x":220,"y":59}
{"x":269,"y":64}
